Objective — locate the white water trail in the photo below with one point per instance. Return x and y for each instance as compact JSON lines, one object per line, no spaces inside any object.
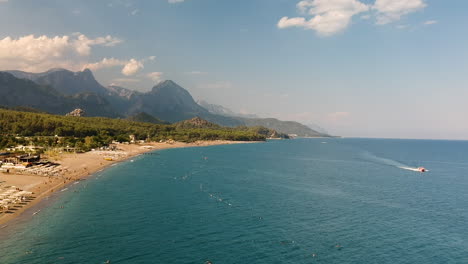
{"x":409,"y":168}
{"x":384,"y":161}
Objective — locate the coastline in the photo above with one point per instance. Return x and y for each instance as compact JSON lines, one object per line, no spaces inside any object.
{"x":81,"y":166}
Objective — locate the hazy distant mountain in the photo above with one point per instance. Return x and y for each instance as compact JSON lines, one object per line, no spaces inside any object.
{"x":29,"y":75}
{"x":286,"y":127}
{"x":216,"y":109}
{"x":221,"y":110}
{"x":122,"y":100}
{"x":121,"y":92}
{"x":318,"y":128}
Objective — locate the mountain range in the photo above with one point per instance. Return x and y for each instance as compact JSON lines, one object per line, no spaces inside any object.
{"x":286,"y":127}
{"x":15,"y":92}
{"x":221,"y":110}
{"x":59,"y":91}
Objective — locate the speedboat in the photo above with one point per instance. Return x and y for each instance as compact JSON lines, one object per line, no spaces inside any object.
{"x":422,"y":169}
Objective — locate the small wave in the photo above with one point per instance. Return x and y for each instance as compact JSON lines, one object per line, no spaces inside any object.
{"x":216,"y":196}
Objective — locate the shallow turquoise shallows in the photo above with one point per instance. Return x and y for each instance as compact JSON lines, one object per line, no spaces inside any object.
{"x":294,"y":201}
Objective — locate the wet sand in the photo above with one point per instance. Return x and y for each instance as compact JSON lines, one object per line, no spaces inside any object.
{"x":79,"y":166}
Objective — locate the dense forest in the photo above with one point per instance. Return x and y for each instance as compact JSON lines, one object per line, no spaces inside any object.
{"x":90,"y":132}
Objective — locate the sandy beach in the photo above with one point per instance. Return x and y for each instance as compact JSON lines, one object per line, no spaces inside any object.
{"x":74,"y":167}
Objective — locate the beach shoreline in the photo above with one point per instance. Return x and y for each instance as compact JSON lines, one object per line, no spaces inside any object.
{"x":83,"y":165}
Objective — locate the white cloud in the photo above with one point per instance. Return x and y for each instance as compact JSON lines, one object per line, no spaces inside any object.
{"x":134,"y":12}
{"x":175,"y":1}
{"x":286,"y":22}
{"x":132,"y":67}
{"x":83,"y":44}
{"x":392,"y":10}
{"x":431,"y":22}
{"x":155,"y":76}
{"x":105,"y":63}
{"x":328,"y":16}
{"x":35,"y":54}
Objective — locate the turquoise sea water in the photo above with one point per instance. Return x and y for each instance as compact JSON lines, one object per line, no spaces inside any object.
{"x":346,"y":201}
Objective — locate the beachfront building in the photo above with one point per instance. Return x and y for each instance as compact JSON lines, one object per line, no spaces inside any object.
{"x":28,"y":158}
{"x":12,"y":158}
{"x":6,"y":157}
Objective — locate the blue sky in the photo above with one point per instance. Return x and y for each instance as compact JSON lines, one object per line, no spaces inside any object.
{"x":369,"y":68}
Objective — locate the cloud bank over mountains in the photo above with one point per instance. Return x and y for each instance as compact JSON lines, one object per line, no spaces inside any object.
{"x":31,"y":53}
{"x":37,"y":54}
{"x":328,"y":17}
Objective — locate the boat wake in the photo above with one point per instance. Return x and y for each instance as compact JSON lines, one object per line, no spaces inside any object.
{"x":388,"y":162}
{"x":413,"y":169}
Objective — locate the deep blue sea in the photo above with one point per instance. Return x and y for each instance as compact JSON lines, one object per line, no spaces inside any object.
{"x":290,"y":201}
